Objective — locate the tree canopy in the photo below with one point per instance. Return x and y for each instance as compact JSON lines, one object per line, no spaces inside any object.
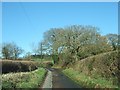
{"x":77,"y":42}
{"x":11,"y":51}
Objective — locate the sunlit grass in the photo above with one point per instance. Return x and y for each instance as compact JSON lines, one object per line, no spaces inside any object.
{"x":87,"y":81}
{"x":31,"y":79}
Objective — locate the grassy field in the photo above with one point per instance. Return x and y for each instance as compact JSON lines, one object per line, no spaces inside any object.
{"x":31,"y":79}
{"x":87,"y":81}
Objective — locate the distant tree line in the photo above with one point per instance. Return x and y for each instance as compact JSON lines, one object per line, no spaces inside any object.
{"x":67,"y":44}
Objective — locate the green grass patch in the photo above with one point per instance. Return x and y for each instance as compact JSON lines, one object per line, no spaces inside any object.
{"x":31,"y":79}
{"x":87,"y":81}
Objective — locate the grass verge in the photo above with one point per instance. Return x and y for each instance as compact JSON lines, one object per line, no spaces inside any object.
{"x":88,"y":82}
{"x":31,"y":79}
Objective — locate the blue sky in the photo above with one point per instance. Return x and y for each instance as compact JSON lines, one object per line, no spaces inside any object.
{"x":25,"y":23}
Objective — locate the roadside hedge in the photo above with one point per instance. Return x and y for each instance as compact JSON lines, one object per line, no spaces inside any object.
{"x":18,"y":66}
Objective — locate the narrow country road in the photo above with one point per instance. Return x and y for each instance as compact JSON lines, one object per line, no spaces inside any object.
{"x":59,"y":80}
